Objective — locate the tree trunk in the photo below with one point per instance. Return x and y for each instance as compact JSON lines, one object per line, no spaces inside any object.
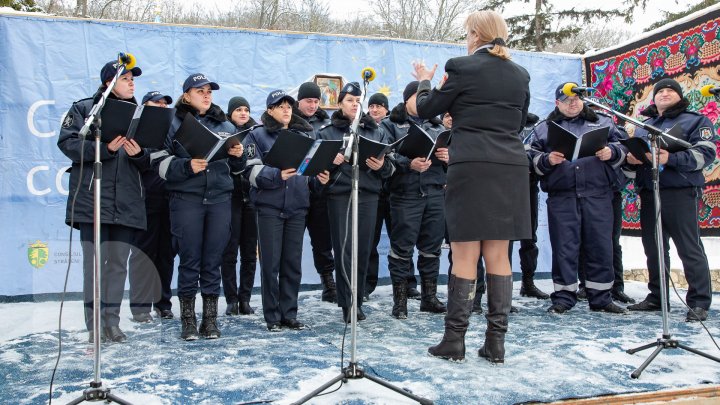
{"x":81,"y":8}
{"x":538,"y":26}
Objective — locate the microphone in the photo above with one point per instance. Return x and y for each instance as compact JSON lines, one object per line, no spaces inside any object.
{"x":572,"y":89}
{"x":368,"y":74}
{"x":709,"y":90}
{"x":127,"y":59}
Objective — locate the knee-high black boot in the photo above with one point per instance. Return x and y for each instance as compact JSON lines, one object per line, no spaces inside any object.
{"x":499,"y":293}
{"x":461,"y":294}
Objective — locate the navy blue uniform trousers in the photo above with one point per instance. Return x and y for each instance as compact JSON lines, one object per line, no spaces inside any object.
{"x":618,"y":270}
{"x":281,"y":243}
{"x":679,"y":212}
{"x":200,"y":235}
{"x":152,"y":260}
{"x":416,"y":221}
{"x":115,"y":243}
{"x":243,"y":234}
{"x":581,"y":224}
{"x":341,"y":230}
{"x":318,"y":226}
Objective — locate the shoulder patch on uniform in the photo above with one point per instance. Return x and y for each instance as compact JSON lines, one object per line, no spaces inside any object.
{"x":68,"y":120}
{"x":706,"y":133}
{"x":443,"y":79}
{"x":250,"y":151}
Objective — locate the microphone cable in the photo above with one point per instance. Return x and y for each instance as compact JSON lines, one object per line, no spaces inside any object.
{"x":67,"y":273}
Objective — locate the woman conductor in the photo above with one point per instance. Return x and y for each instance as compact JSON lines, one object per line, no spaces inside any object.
{"x":487,"y":96}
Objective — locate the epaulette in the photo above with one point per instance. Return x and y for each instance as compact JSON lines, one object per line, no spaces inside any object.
{"x":324,"y":126}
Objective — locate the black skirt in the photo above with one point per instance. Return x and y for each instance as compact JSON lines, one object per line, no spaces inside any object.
{"x":487,"y":201}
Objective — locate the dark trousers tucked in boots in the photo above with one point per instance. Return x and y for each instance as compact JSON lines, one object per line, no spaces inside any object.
{"x":208,"y":327}
{"x":429,"y":301}
{"x":187,"y":318}
{"x":461,"y":294}
{"x":499,"y":294}
{"x":399,"y":309}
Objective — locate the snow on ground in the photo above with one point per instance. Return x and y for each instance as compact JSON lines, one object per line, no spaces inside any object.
{"x":548,"y":356}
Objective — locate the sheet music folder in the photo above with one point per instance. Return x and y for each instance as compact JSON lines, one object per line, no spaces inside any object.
{"x":310,"y":157}
{"x":574,"y":147}
{"x":420,"y":144}
{"x":148,"y":125}
{"x":202,"y":143}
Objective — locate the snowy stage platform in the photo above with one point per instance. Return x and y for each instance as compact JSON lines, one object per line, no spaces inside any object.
{"x":549,"y":357}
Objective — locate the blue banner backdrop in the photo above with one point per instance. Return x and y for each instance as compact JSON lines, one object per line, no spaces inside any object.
{"x":47,"y":63}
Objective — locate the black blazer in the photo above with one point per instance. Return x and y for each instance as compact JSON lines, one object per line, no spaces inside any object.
{"x":488,"y":99}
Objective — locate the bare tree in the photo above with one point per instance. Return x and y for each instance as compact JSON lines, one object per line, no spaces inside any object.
{"x":593,"y":37}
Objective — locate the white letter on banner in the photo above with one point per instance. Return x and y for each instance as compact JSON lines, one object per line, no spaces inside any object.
{"x":58,"y":180}
{"x":31,"y":119}
{"x":31,"y":186}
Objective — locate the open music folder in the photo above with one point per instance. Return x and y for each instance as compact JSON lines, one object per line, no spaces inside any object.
{"x":310,"y":157}
{"x":575,"y":147}
{"x":148,"y":125}
{"x":202,"y":143}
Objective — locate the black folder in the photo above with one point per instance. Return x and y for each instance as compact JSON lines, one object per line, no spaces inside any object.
{"x":368,"y":148}
{"x":638,"y":147}
{"x":561,"y":140}
{"x":420,"y":144}
{"x":672,"y":145}
{"x":202,"y":143}
{"x":115,"y":119}
{"x":148,"y":125}
{"x":310,"y":157}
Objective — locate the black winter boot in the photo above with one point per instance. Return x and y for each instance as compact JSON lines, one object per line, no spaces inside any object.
{"x":529,"y":289}
{"x":499,"y":292}
{"x":187,"y":318}
{"x":208,"y":327}
{"x":399,"y":309}
{"x":429,"y":301}
{"x":329,"y":293}
{"x":461,"y":294}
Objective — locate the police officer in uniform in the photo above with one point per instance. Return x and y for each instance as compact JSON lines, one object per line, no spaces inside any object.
{"x":338,"y":191}
{"x":122,"y":210}
{"x":528,"y":247}
{"x":681,"y":183}
{"x":282,"y":199}
{"x":152,"y":259}
{"x":200,"y":204}
{"x":579,"y":198}
{"x":317,"y":222}
{"x":618,"y":289}
{"x":417,"y":194}
{"x":243,"y":228}
{"x":378,"y":109}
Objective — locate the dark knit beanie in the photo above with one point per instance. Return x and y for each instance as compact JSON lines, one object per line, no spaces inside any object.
{"x":235,"y":103}
{"x":410,"y":89}
{"x":308,"y":90}
{"x":379,"y":99}
{"x":668,"y":84}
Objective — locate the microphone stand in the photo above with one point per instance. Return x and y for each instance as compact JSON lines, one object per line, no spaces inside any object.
{"x":353,"y":371}
{"x":97,"y":392}
{"x":666,"y":341}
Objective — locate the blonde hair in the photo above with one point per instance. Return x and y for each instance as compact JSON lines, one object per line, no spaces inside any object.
{"x":488,"y":25}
